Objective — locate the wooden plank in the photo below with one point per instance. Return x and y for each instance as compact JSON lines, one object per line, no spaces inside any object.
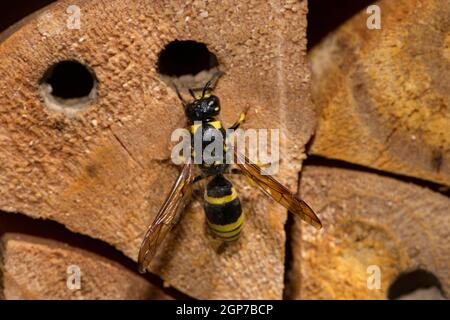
{"x":368,"y":220}
{"x":104,"y":171}
{"x":40,"y":269}
{"x":384,"y":95}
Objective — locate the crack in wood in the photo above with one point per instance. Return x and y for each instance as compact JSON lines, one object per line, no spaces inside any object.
{"x":122,"y":144}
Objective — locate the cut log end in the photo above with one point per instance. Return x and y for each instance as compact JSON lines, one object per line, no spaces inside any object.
{"x":36,"y":268}
{"x":100,"y":164}
{"x":375,"y":229}
{"x":384,"y":95}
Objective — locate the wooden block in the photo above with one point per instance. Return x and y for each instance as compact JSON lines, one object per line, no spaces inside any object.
{"x":37,"y":268}
{"x":384,"y":95}
{"x":105,"y":170}
{"x":368,"y":220}
{"x":424,"y":294}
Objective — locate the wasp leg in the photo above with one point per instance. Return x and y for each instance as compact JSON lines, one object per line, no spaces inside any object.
{"x":263,"y":167}
{"x":241,"y":119}
{"x":259,"y":164}
{"x":183,"y":102}
{"x":197,"y":193}
{"x":235,"y":171}
{"x":199,"y":178}
{"x":222,"y":247}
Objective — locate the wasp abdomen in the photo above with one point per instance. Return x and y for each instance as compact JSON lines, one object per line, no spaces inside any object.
{"x":223,"y":209}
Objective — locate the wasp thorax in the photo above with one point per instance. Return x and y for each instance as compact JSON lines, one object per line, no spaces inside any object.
{"x":203,"y":109}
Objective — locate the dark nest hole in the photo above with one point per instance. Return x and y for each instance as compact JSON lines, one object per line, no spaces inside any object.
{"x":188,"y":57}
{"x":68,"y":83}
{"x":69,"y":79}
{"x":408,"y":282}
{"x":324,"y":16}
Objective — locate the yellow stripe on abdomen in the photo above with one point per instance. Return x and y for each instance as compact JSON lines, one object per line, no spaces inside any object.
{"x":222,"y":200}
{"x":228,"y":232}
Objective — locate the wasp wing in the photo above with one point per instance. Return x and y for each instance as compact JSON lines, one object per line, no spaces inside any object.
{"x":277,"y":191}
{"x":167,"y":217}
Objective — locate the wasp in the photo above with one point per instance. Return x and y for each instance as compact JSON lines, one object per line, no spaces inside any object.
{"x":222,"y":206}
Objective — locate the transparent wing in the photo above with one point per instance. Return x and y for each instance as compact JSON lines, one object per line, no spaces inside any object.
{"x":277,"y":191}
{"x":167,"y":217}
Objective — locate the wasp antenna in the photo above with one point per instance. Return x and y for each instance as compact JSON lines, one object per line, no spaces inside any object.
{"x":206,"y":87}
{"x":183,"y":102}
{"x":192,"y":93}
{"x":216,"y":77}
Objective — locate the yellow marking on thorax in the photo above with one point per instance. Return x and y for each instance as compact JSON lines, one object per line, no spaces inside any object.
{"x":222,"y":200}
{"x":194,"y":128}
{"x":216,"y":124}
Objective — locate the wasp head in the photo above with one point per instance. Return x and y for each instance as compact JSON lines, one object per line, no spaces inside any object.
{"x":205,"y":106}
{"x":203,"y":109}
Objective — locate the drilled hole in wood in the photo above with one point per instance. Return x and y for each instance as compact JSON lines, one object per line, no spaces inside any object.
{"x":68,"y":86}
{"x":180,"y":58}
{"x":411,"y":282}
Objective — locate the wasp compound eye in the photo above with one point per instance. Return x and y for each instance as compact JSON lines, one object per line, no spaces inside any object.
{"x":203,"y":109}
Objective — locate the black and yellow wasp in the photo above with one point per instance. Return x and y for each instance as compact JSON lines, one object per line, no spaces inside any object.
{"x":222,"y":206}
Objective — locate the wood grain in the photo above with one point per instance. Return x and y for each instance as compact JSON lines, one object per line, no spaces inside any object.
{"x":369,"y":220}
{"x":37,"y":268}
{"x":105,"y":170}
{"x":384,"y":95}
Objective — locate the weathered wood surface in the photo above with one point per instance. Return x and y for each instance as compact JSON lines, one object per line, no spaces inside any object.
{"x":368,"y":220}
{"x":37,"y":268}
{"x":104,"y":171}
{"x":384,"y":95}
